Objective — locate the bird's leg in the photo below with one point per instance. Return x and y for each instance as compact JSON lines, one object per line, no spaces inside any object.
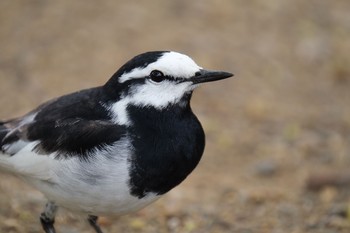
{"x":47,"y":218}
{"x":93,"y":222}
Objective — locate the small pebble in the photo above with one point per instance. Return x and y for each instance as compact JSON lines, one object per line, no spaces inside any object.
{"x":340,"y":210}
{"x":266,"y":168}
{"x":137,"y":224}
{"x":328,"y":194}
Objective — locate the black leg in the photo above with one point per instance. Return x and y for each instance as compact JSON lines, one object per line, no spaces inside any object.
{"x":47,"y":218}
{"x":93,"y":222}
{"x":47,"y":224}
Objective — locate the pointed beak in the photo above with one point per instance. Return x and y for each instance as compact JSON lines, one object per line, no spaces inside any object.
{"x":204,"y":76}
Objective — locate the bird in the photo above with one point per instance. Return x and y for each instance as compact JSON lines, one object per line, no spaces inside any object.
{"x":115,"y":148}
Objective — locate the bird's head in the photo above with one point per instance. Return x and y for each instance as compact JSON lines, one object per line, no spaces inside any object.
{"x":159,"y":79}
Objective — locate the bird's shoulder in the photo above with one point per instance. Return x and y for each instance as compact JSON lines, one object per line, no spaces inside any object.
{"x":87,"y":103}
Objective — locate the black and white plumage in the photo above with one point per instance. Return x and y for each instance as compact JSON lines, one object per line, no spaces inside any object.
{"x":112,"y":149}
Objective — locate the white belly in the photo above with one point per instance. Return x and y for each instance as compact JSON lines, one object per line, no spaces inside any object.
{"x":99,"y":185}
{"x":95,"y":189}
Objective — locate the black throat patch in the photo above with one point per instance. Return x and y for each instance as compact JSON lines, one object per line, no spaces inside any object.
{"x":168,"y":145}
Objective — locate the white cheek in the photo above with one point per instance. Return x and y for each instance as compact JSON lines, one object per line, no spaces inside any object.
{"x":159,"y":95}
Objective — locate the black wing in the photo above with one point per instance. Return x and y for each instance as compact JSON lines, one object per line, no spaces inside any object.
{"x":73,"y":125}
{"x":74,"y":137}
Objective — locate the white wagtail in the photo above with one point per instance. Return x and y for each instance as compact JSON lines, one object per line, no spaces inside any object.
{"x":112,"y":149}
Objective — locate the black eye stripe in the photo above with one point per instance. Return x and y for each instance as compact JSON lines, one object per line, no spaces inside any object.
{"x":134,"y":81}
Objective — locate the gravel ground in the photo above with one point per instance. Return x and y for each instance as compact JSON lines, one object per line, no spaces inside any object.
{"x":278,"y":134}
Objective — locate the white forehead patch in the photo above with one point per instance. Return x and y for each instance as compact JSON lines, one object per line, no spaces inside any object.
{"x":171,"y":63}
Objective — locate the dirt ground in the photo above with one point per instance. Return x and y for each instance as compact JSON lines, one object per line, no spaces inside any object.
{"x":278,"y":134}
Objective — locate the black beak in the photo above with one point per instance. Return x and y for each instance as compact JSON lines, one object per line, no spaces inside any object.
{"x":204,"y":76}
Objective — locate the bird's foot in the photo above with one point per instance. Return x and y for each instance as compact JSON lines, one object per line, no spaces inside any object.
{"x":47,"y":223}
{"x":93,"y":222}
{"x":47,"y":218}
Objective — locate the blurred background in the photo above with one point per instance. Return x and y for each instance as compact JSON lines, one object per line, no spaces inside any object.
{"x":278,"y":134}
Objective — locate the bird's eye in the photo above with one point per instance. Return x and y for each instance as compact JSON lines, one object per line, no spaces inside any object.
{"x":156,"y":76}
